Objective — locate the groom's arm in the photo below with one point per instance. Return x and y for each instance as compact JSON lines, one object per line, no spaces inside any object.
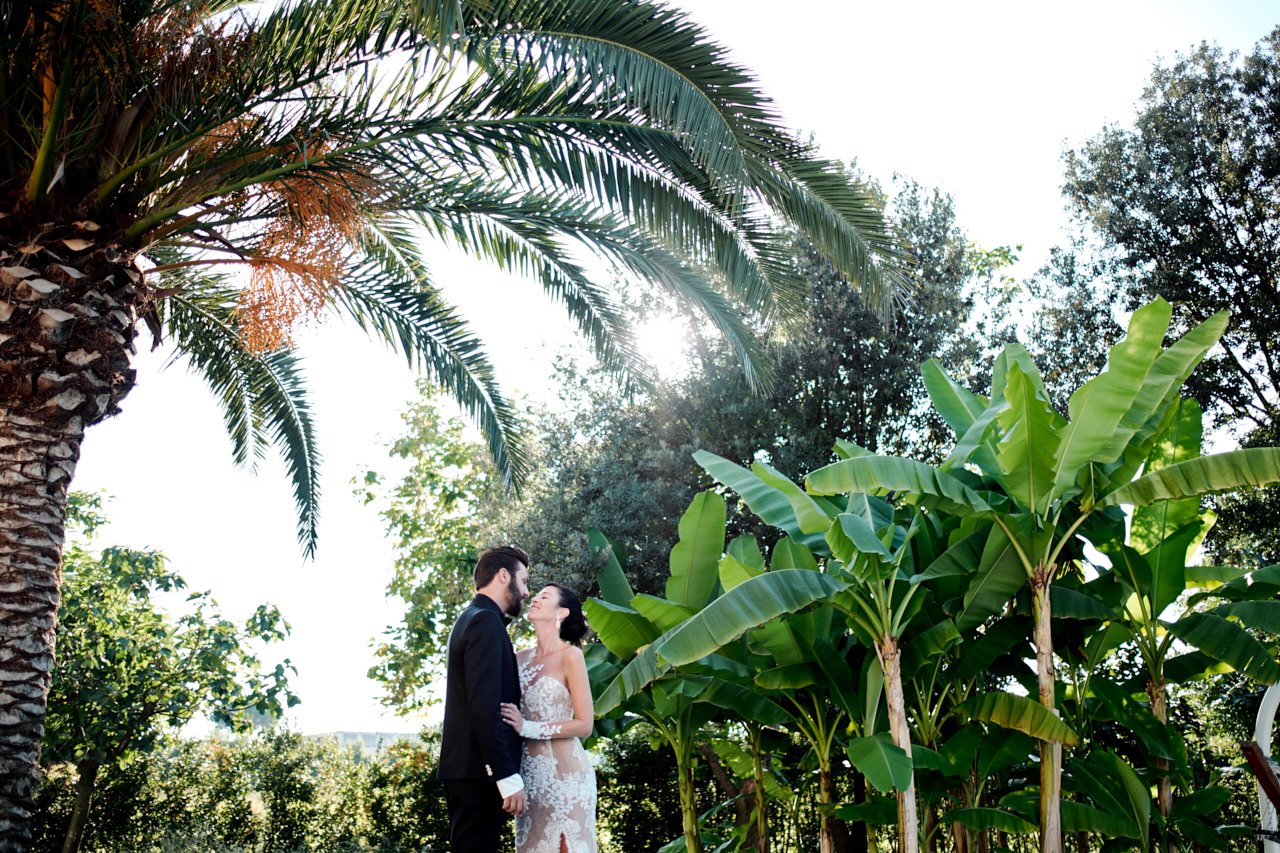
{"x":484,"y":647}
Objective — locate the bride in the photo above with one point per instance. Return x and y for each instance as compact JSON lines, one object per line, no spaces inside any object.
{"x":555,"y":711}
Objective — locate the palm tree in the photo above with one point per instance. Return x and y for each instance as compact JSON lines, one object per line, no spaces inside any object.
{"x":223,"y":171}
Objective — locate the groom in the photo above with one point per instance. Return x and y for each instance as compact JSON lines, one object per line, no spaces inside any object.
{"x":479,"y":753}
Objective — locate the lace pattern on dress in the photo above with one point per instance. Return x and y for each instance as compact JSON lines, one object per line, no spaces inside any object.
{"x":559,"y":781}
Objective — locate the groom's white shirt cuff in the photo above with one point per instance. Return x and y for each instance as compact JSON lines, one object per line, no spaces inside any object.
{"x":510,"y":785}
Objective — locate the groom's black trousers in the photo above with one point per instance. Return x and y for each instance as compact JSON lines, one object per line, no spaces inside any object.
{"x":476,"y":818}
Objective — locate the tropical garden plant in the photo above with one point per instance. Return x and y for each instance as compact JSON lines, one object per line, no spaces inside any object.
{"x":996,"y":532}
{"x":224,"y":171}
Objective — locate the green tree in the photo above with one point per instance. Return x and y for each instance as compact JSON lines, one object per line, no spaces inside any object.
{"x":624,"y":464}
{"x":1183,"y":206}
{"x":433,"y":515}
{"x":151,"y":148}
{"x":126,"y":672}
{"x":1185,"y":200}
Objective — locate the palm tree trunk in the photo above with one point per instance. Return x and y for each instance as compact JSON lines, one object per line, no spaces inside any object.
{"x":36,"y":464}
{"x":88,"y":770}
{"x":1050,"y":753}
{"x":891,"y":663}
{"x":66,"y":329}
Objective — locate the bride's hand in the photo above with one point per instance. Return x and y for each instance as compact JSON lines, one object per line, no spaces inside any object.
{"x":511,"y":716}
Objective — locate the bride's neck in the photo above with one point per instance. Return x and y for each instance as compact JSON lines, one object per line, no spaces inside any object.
{"x":548,"y":641}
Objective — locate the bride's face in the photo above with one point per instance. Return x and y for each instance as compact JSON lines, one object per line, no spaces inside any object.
{"x":545,"y":606}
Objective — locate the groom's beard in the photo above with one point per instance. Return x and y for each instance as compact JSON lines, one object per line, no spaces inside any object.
{"x":514,"y":599}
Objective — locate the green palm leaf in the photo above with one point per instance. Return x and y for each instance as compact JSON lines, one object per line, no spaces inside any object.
{"x":263,"y":397}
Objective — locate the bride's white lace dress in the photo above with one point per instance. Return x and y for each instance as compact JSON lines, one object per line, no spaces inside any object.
{"x":559,"y":781}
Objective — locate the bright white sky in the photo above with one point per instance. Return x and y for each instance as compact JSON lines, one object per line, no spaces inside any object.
{"x":977,"y":98}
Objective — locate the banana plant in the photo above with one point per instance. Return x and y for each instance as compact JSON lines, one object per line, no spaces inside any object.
{"x":1151,"y":572}
{"x":671,"y":673}
{"x":1041,"y":478}
{"x":808,"y":664}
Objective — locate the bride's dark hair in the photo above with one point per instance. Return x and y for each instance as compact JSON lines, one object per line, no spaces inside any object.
{"x":574,"y":627}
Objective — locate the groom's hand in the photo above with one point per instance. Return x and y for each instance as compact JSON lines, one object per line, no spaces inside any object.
{"x":514,"y":804}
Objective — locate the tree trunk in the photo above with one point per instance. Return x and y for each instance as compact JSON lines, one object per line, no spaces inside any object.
{"x":1050,"y":753}
{"x":1164,"y":784}
{"x":88,"y":769}
{"x":688,"y":793}
{"x":742,"y":795}
{"x":66,"y":331}
{"x":859,"y":842}
{"x":826,"y":796}
{"x":761,"y":830}
{"x":891,"y":663}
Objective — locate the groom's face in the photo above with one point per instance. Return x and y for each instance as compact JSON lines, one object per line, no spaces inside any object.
{"x":517,"y":589}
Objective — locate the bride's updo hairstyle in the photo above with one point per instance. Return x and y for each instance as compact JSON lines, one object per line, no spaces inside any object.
{"x":574,"y":627}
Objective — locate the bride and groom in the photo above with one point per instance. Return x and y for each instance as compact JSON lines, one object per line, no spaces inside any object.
{"x":512,"y":722}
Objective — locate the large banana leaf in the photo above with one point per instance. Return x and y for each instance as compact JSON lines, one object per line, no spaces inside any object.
{"x":872,"y":473}
{"x":746,"y":550}
{"x":790,"y":554}
{"x":621,"y":629}
{"x":998,"y":575}
{"x":779,"y":639}
{"x":1028,"y":443}
{"x":886,"y":766}
{"x":695,"y":559}
{"x":764,"y":500}
{"x":1079,"y":817}
{"x":746,"y":703}
{"x":614,"y":587}
{"x":746,"y":606}
{"x":1229,"y":643}
{"x":1180,"y":441}
{"x":958,"y":406}
{"x":1000,"y":638}
{"x":1150,"y":411}
{"x":1256,"y":466}
{"x":1117,"y":789}
{"x":734,"y":572}
{"x":811,"y":517}
{"x":981,"y":818}
{"x":665,"y":614}
{"x":1022,"y":713}
{"x":850,"y":537}
{"x":1097,"y":407}
{"x":796,"y":676}
{"x":1259,"y":615}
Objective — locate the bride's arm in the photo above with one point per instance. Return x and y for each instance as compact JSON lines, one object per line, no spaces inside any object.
{"x":575,"y":671}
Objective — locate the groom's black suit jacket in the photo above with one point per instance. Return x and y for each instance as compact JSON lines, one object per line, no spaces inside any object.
{"x":480,"y":672}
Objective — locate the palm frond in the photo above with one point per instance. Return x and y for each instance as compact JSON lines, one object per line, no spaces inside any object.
{"x":388,"y":297}
{"x":263,"y":398}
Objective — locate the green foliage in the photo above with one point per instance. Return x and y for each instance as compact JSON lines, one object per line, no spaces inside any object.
{"x":433,"y":515}
{"x":623,"y":465}
{"x":126,"y":671}
{"x":273,"y":791}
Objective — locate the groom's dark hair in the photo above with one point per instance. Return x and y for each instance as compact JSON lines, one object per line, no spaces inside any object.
{"x":494,"y":560}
